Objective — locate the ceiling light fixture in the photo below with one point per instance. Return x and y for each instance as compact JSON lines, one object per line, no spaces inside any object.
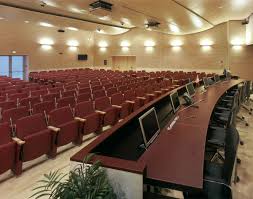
{"x":45,"y":24}
{"x":197,"y":22}
{"x":46,"y":47}
{"x":1,"y":18}
{"x":13,"y":52}
{"x":72,"y":28}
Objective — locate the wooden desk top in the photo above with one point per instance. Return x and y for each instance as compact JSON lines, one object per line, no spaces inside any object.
{"x":176,"y":156}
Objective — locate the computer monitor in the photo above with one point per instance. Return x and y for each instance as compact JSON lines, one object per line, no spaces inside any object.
{"x":216,"y":78}
{"x":150,"y":127}
{"x":190,"y":89}
{"x":206,"y":83}
{"x":175,"y":101}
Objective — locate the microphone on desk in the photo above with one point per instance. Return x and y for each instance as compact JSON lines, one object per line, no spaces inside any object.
{"x":192,"y":105}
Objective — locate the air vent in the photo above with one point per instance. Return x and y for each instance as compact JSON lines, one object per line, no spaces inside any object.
{"x":61,"y":30}
{"x":101,"y":8}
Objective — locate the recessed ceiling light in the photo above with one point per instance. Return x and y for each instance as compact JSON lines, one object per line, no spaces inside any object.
{"x":44,"y":24}
{"x":13,"y":52}
{"x":1,"y":18}
{"x":72,"y":28}
{"x":196,"y":21}
{"x":124,"y":44}
{"x":176,"y":43}
{"x":27,"y":21}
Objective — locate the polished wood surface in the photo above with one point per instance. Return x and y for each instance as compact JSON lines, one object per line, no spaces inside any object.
{"x":176,"y":157}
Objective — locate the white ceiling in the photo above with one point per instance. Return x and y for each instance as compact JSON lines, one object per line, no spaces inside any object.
{"x":186,"y":16}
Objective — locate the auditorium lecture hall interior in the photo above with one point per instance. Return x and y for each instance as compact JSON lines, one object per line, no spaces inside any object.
{"x":159,"y":92}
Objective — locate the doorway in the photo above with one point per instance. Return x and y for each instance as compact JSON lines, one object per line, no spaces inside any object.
{"x":123,"y":63}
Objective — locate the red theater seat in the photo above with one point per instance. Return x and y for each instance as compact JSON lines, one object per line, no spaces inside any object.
{"x":65,"y":126}
{"x":38,"y":139}
{"x":92,"y":121}
{"x":130,"y":97}
{"x":8,"y":149}
{"x":109,"y":112}
{"x":125,"y":108}
{"x":66,"y":101}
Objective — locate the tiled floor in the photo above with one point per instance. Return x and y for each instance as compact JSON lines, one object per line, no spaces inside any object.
{"x":20,"y":187}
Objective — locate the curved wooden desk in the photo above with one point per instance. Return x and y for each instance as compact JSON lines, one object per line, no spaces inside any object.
{"x":176,"y":158}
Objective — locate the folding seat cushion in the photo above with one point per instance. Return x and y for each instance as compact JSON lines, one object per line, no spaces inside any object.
{"x":69,"y":93}
{"x":83,"y":97}
{"x":92,"y":120}
{"x":37,"y":137}
{"x":8,"y":149}
{"x":12,"y":115}
{"x":68,"y":129}
{"x":125,"y":108}
{"x":39,"y":92}
{"x":51,"y":97}
{"x":111,"y":91}
{"x":66,"y":101}
{"x":130,"y":97}
{"x":43,"y":107}
{"x":110,"y":113}
{"x":98,"y":94}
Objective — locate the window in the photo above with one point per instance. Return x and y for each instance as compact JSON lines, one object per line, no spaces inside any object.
{"x":4,"y":65}
{"x":17,"y":67}
{"x":13,"y":66}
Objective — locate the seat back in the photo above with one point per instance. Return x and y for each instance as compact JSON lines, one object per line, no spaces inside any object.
{"x":111,"y":91}
{"x":30,"y":125}
{"x":98,"y":94}
{"x":39,"y":92}
{"x":51,"y":97}
{"x":42,"y":107}
{"x":129,"y":95}
{"x":60,"y":116}
{"x":83,"y":109}
{"x":83,"y":97}
{"x":14,"y":114}
{"x":69,"y":93}
{"x":117,"y":99}
{"x":7,"y":105}
{"x":102,"y":103}
{"x":5,"y":133}
{"x":66,"y":101}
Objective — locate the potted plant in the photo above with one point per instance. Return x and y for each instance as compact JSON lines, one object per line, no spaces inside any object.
{"x":84,"y":182}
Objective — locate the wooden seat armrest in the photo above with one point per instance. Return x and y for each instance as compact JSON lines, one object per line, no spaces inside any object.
{"x":80,"y":119}
{"x":18,"y":141}
{"x":158,"y":91}
{"x":131,"y":102}
{"x":100,"y":112}
{"x":164,"y":89}
{"x":117,"y":106}
{"x":142,"y":98}
{"x":150,"y":94}
{"x":54,"y":129}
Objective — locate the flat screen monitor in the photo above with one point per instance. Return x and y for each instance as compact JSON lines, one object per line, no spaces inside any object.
{"x":82,"y":57}
{"x":206,"y":82}
{"x":190,"y":89}
{"x":175,"y":101}
{"x":216,"y":78}
{"x":150,"y":127}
